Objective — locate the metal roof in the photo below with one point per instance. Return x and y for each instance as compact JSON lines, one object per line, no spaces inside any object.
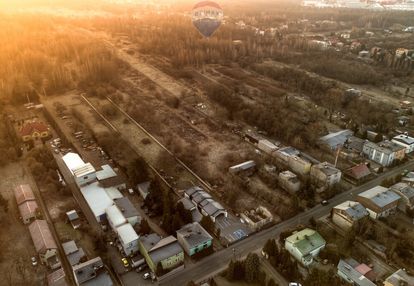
{"x":191,"y":191}
{"x":243,"y":166}
{"x":193,"y":234}
{"x":306,"y":240}
{"x":404,"y":139}
{"x":188,"y":204}
{"x":87,"y":270}
{"x":403,"y":189}
{"x":69,"y":247}
{"x":337,"y":138}
{"x":126,"y":207}
{"x":398,"y":276}
{"x":106,"y":173}
{"x":97,"y":198}
{"x":28,"y":208}
{"x":72,"y":161}
{"x":23,"y":193}
{"x":127,"y":233}
{"x":57,"y":278}
{"x":213,"y":208}
{"x":115,"y":216}
{"x":353,"y":274}
{"x":201,"y":196}
{"x":170,"y":248}
{"x":41,"y":236}
{"x":83,"y":170}
{"x":354,"y":209}
{"x":326,"y":168}
{"x":380,"y":196}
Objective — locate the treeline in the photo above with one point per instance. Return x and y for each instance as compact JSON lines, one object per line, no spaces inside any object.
{"x":41,"y":56}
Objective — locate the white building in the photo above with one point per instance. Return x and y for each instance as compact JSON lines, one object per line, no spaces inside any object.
{"x":115,"y":217}
{"x":325,"y":175}
{"x":81,"y":171}
{"x":98,"y":199}
{"x":289,"y":181}
{"x":405,"y":141}
{"x":128,"y":239}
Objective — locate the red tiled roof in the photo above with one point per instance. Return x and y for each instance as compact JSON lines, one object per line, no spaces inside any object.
{"x":30,"y":127}
{"x":23,"y":193}
{"x":41,"y":236}
{"x":359,"y":171}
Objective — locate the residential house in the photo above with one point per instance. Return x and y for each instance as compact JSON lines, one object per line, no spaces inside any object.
{"x":305,"y":245}
{"x":334,"y":140}
{"x":74,"y":254}
{"x":193,"y":238}
{"x":128,"y":210}
{"x":128,"y":239}
{"x":57,"y":278}
{"x":73,"y":218}
{"x":289,"y":181}
{"x":406,"y":193}
{"x":358,"y":174}
{"x":404,"y":141}
{"x":347,"y":213}
{"x":33,"y":130}
{"x":354,"y":273}
{"x":384,"y":153}
{"x":165,"y":253}
{"x":144,"y":189}
{"x":325,"y":175}
{"x":379,"y":201}
{"x":246,"y":168}
{"x":92,"y":273}
{"x":44,"y":243}
{"x":107,"y":177}
{"x":399,"y":278}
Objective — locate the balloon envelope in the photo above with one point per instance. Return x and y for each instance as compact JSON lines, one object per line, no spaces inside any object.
{"x":207,"y":17}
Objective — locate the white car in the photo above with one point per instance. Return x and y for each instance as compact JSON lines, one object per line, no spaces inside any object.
{"x":146,"y":276}
{"x":34,"y":261}
{"x":294,"y":284}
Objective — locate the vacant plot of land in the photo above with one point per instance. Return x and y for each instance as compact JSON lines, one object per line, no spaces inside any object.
{"x":15,"y":242}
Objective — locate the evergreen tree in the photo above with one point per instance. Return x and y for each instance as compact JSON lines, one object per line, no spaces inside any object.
{"x":252,"y":265}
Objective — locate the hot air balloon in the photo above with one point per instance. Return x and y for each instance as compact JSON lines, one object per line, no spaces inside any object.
{"x":207,"y":17}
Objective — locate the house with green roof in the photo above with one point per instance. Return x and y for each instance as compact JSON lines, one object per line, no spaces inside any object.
{"x":305,"y":245}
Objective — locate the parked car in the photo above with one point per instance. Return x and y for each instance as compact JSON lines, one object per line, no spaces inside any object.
{"x":146,"y":275}
{"x":294,"y":284}
{"x":324,"y":203}
{"x":125,"y":262}
{"x":56,"y":151}
{"x":34,"y":261}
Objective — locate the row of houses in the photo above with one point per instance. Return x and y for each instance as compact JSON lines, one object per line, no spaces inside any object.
{"x":384,"y":153}
{"x":376,"y":203}
{"x":305,"y":245}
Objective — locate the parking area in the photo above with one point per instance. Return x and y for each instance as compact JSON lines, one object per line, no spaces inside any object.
{"x":232,"y":229}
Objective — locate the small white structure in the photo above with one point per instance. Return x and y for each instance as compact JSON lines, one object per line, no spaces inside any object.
{"x":246,"y":167}
{"x":405,"y":141}
{"x":128,"y":239}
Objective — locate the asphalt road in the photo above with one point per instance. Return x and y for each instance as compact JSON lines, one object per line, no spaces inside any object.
{"x":218,"y":261}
